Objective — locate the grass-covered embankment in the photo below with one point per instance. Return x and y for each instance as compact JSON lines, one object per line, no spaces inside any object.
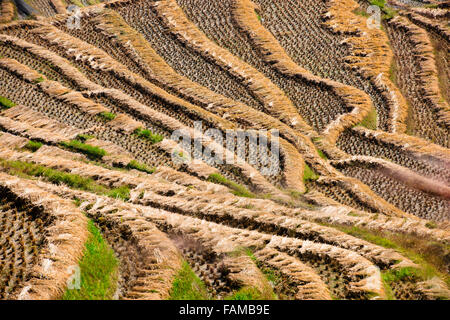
{"x":187,"y":286}
{"x":30,"y":170}
{"x":99,"y":269}
{"x":431,"y":257}
{"x":237,"y":189}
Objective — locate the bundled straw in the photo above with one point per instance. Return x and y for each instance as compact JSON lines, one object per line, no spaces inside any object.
{"x":38,"y":120}
{"x":20,"y":70}
{"x":26,"y":130}
{"x":371,"y":56}
{"x":427,"y":79}
{"x":275,"y":101}
{"x":6,"y":11}
{"x":272,"y":52}
{"x":64,"y":244}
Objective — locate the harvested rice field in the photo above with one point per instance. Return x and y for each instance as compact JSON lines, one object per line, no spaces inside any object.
{"x":224,"y":150}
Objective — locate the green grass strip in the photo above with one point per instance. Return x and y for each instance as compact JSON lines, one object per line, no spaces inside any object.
{"x":362,"y":13}
{"x":237,"y":189}
{"x":390,"y":277}
{"x":370,"y":120}
{"x":84,"y":137}
{"x":92,"y":152}
{"x":38,"y":80}
{"x":429,"y":255}
{"x":187,"y":286}
{"x":108,"y":116}
{"x":5,"y":103}
{"x":148,"y":135}
{"x":33,"y":146}
{"x":98,"y":270}
{"x":321,"y":154}
{"x":27,"y":170}
{"x":388,"y":12}
{"x":122,"y":192}
{"x":251,"y":293}
{"x":309,"y":174}
{"x":140,"y":166}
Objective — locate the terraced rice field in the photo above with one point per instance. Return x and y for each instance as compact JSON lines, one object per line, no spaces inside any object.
{"x":350,"y":199}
